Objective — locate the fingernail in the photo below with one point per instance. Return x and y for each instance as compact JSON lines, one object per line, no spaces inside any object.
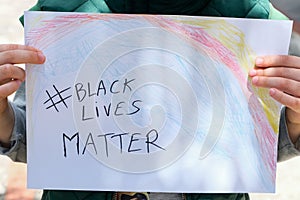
{"x":41,"y":56}
{"x":252,"y":72}
{"x":259,"y":61}
{"x":254,"y":79}
{"x":272,"y":91}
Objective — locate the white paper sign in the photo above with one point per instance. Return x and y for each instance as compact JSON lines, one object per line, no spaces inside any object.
{"x":150,"y":103}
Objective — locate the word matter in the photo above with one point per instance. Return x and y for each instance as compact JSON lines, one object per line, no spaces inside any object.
{"x":100,"y":143}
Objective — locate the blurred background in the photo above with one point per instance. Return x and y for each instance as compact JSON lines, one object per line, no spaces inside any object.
{"x":13,"y":175}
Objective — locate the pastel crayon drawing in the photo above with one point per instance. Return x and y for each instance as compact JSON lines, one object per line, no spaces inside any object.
{"x":161,"y":103}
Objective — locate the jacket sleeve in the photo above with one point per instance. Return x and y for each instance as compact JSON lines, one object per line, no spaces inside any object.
{"x":17,"y":152}
{"x":286,"y":149}
{"x":276,"y":14}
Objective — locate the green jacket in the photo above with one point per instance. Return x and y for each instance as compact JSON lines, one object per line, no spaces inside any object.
{"x":224,"y":8}
{"x":221,"y":8}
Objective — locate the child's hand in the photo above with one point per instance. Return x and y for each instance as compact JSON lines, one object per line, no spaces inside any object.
{"x":282,"y":75}
{"x":11,"y":76}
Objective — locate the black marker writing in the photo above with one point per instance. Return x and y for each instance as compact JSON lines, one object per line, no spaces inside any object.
{"x":100,"y":143}
{"x":89,"y":112}
{"x":57,"y":98}
{"x":85,"y":91}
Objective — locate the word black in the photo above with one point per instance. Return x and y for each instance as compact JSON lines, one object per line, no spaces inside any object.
{"x":115,"y":87}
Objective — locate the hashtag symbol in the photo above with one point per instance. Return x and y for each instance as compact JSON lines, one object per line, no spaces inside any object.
{"x":57,"y":98}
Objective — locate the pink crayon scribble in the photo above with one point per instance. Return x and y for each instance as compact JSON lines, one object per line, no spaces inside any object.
{"x":62,"y":25}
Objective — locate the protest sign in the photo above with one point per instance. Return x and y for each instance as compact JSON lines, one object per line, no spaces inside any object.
{"x":150,"y":103}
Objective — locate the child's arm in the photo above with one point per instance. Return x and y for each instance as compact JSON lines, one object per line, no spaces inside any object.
{"x":11,"y":77}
